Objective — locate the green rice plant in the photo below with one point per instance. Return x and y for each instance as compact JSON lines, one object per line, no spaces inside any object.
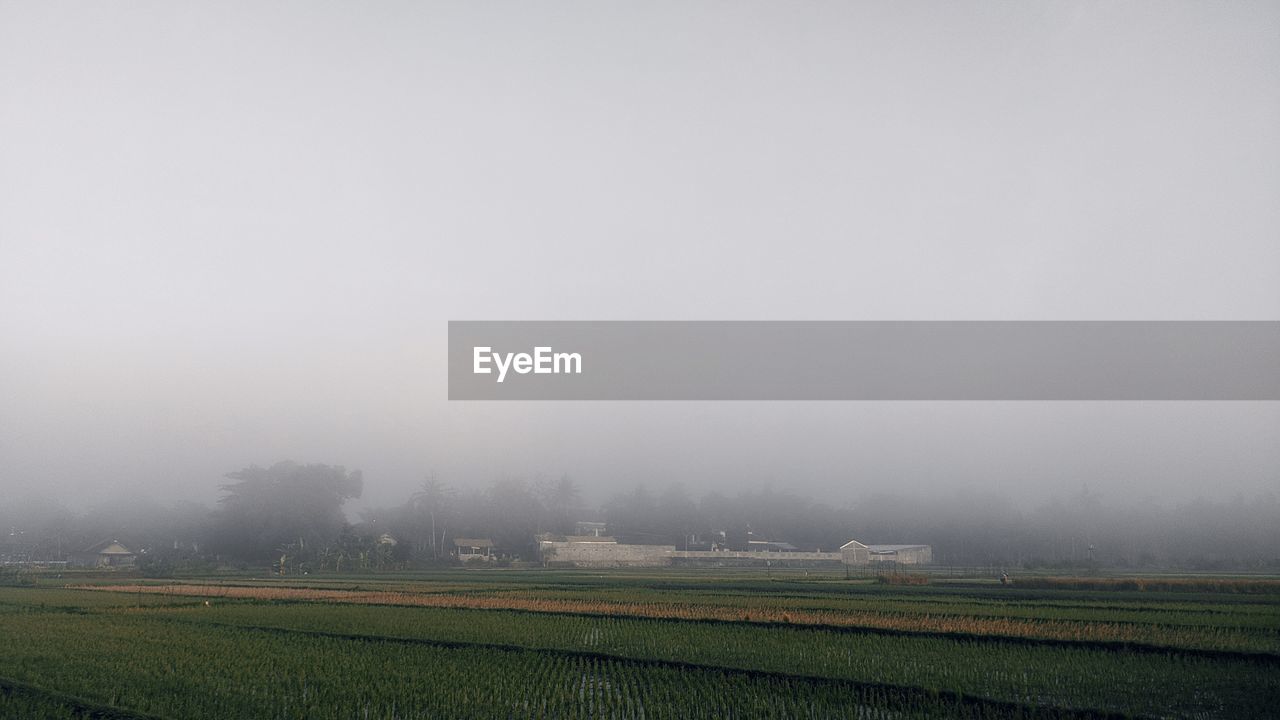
{"x":189,"y":671}
{"x":1060,"y":675}
{"x":1156,"y":584}
{"x":630,"y":645}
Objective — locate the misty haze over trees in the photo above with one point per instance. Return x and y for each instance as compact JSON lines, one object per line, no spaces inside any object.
{"x":292,"y":515}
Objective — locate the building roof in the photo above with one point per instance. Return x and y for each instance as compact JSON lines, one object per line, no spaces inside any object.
{"x":894,"y":548}
{"x":589,"y":539}
{"x":473,"y":542}
{"x":852,"y":544}
{"x":107,"y":547}
{"x":784,"y":546}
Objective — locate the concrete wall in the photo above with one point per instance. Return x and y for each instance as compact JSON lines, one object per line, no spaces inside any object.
{"x":755,"y":555}
{"x":605,"y":555}
{"x":753,"y":558}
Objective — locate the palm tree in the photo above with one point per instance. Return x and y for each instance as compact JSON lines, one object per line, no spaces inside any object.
{"x":431,"y":500}
{"x":287,"y":550}
{"x":327,"y":555}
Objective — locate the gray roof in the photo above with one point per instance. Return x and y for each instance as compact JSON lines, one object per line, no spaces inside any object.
{"x":894,"y":548}
{"x":773,"y":543}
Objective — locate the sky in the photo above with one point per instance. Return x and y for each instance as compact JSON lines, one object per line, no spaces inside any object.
{"x":233,"y":233}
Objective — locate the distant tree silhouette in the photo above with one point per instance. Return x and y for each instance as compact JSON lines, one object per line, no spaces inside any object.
{"x":285,"y":505}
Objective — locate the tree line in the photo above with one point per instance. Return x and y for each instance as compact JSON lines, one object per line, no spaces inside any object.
{"x":290,"y":517}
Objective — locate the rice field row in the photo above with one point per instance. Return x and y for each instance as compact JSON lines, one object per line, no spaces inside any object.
{"x":1256,"y":616}
{"x":187,"y":671}
{"x":1048,"y":675}
{"x":493,"y":644}
{"x":1265,"y":640}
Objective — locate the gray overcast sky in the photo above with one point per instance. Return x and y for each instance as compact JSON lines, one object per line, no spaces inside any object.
{"x":233,"y":233}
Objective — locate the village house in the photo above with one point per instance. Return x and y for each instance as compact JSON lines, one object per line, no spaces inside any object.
{"x":108,"y":553}
{"x":595,"y":529}
{"x":473,"y":549}
{"x":855,"y":553}
{"x":901,"y":554}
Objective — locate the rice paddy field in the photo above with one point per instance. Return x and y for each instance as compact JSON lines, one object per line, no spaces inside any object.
{"x":618,"y":644}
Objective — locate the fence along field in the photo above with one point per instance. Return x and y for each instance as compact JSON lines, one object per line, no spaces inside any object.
{"x":482,"y":646}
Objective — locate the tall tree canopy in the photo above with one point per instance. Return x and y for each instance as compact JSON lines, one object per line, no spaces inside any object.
{"x":285,"y":505}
